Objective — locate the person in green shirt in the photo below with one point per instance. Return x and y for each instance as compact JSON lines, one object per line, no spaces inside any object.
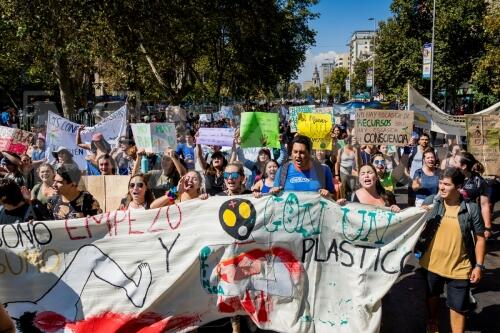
{"x":385,"y":176}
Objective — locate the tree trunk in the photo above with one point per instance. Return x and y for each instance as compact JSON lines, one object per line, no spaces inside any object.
{"x":65,"y":86}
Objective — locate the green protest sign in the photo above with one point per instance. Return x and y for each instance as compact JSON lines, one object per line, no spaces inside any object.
{"x":259,"y":129}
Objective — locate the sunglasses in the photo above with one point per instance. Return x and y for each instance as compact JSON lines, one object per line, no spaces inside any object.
{"x":231,"y":175}
{"x":377,"y":162}
{"x":139,"y":185}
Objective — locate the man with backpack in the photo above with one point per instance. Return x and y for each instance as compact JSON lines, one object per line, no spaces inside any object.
{"x":451,"y":249}
{"x":303,"y":173}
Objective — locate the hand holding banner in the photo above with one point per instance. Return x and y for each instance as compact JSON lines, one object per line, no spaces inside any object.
{"x":259,"y":129}
{"x":317,"y":127}
{"x":216,"y":136}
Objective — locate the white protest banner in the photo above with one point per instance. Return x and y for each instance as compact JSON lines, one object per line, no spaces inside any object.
{"x":61,"y":132}
{"x":218,"y":115}
{"x":216,"y":136}
{"x":296,"y":263}
{"x":294,"y":114}
{"x":205,"y":117}
{"x":383,"y":127}
{"x":155,"y":137}
{"x":14,"y":140}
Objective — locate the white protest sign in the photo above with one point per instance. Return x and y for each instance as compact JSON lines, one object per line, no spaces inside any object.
{"x":228,"y":111}
{"x":298,"y":263}
{"x":61,"y":132}
{"x":155,"y":137}
{"x":205,"y":117}
{"x":216,"y":136}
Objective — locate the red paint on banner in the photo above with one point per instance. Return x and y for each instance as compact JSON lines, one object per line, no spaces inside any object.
{"x":49,"y":321}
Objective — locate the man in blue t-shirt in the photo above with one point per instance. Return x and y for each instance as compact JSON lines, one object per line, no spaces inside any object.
{"x":186,"y":151}
{"x":303,"y":173}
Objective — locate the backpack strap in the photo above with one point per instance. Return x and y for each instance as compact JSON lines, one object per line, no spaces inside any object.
{"x":284,"y":174}
{"x":320,"y":172}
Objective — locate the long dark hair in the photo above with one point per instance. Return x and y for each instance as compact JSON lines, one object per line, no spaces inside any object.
{"x":470,"y":162}
{"x":211,"y":171}
{"x":148,"y":195}
{"x":264,"y":173}
{"x":387,"y":196}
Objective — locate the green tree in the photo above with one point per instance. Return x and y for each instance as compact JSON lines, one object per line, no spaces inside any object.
{"x":358,"y":79}
{"x":336,"y":82}
{"x":459,"y":38}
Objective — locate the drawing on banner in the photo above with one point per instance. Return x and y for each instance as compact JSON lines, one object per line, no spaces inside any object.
{"x":60,"y":305}
{"x":14,"y":140}
{"x":238,"y":275}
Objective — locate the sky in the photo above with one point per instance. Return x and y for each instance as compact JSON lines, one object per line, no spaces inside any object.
{"x":337,"y":21}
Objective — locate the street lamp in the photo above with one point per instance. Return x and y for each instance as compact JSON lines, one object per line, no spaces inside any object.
{"x":432,"y":48}
{"x":373,"y":53}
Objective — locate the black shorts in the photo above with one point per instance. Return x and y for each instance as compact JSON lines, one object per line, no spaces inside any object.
{"x":457,"y":291}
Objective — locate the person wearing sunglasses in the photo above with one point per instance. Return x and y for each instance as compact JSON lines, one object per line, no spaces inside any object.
{"x":385,"y":176}
{"x":190,"y":187}
{"x":234,"y":180}
{"x":139,"y":196}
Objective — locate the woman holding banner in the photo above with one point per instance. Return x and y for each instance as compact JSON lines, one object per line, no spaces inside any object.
{"x":371,"y":191}
{"x":190,"y":187}
{"x":139,"y":196}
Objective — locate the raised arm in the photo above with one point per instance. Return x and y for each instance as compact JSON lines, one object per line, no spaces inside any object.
{"x":199,"y":156}
{"x":79,"y":139}
{"x":178,"y":165}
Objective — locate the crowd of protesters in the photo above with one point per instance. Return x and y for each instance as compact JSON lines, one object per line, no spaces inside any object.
{"x":35,"y":186}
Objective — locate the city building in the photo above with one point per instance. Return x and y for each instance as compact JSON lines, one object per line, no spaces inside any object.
{"x":315,"y":79}
{"x":342,"y":60}
{"x":361,"y":46}
{"x":327,"y":69}
{"x":307,"y":85}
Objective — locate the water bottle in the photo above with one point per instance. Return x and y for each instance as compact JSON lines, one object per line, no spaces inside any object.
{"x":144,"y":164}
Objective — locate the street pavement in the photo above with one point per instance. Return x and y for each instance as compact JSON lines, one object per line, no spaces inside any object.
{"x":404,"y":307}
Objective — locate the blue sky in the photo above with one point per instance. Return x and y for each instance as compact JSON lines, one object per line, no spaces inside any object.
{"x":337,"y":21}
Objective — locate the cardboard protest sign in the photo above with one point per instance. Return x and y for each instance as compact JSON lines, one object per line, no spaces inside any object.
{"x":107,"y":190}
{"x":483,"y":141}
{"x":155,"y":137}
{"x":259,"y":129}
{"x":14,"y":140}
{"x":289,"y":270}
{"x":294,"y":114}
{"x":216,"y":136}
{"x":318,"y":127}
{"x":383,"y":127}
{"x":62,"y":132}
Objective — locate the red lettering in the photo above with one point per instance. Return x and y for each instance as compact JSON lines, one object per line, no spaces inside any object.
{"x":154,"y":221}
{"x":130,"y":231}
{"x":119,"y":221}
{"x":179,"y":219}
{"x":68,"y":230}
{"x":87,"y":227}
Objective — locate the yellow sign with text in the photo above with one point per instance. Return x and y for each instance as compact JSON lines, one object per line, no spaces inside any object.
{"x":318,"y":127}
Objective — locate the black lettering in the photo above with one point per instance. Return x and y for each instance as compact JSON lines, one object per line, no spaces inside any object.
{"x":333,"y":249}
{"x":402,"y":263}
{"x":168,"y":249}
{"x":26,"y":232}
{"x":341,"y":247}
{"x":305,"y":250}
{"x":40,"y":240}
{"x":5,"y":240}
{"x":363,"y":254}
{"x":376,"y":260}
{"x":383,"y":260}
{"x":316,"y":258}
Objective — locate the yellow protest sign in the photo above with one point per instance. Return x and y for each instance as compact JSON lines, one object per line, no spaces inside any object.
{"x":317,"y":127}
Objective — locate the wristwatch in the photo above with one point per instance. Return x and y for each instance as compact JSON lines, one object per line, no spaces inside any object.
{"x":481,"y":266}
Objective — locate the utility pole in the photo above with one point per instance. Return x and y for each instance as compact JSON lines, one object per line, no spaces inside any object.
{"x":432,"y":48}
{"x":373,"y":54}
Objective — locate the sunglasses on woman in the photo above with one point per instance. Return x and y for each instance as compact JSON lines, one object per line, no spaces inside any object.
{"x":139,"y":185}
{"x":377,"y":162}
{"x":231,"y":175}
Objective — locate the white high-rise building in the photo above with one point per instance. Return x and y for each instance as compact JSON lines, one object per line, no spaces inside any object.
{"x":361,"y":46}
{"x":327,"y":69}
{"x":342,"y":60}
